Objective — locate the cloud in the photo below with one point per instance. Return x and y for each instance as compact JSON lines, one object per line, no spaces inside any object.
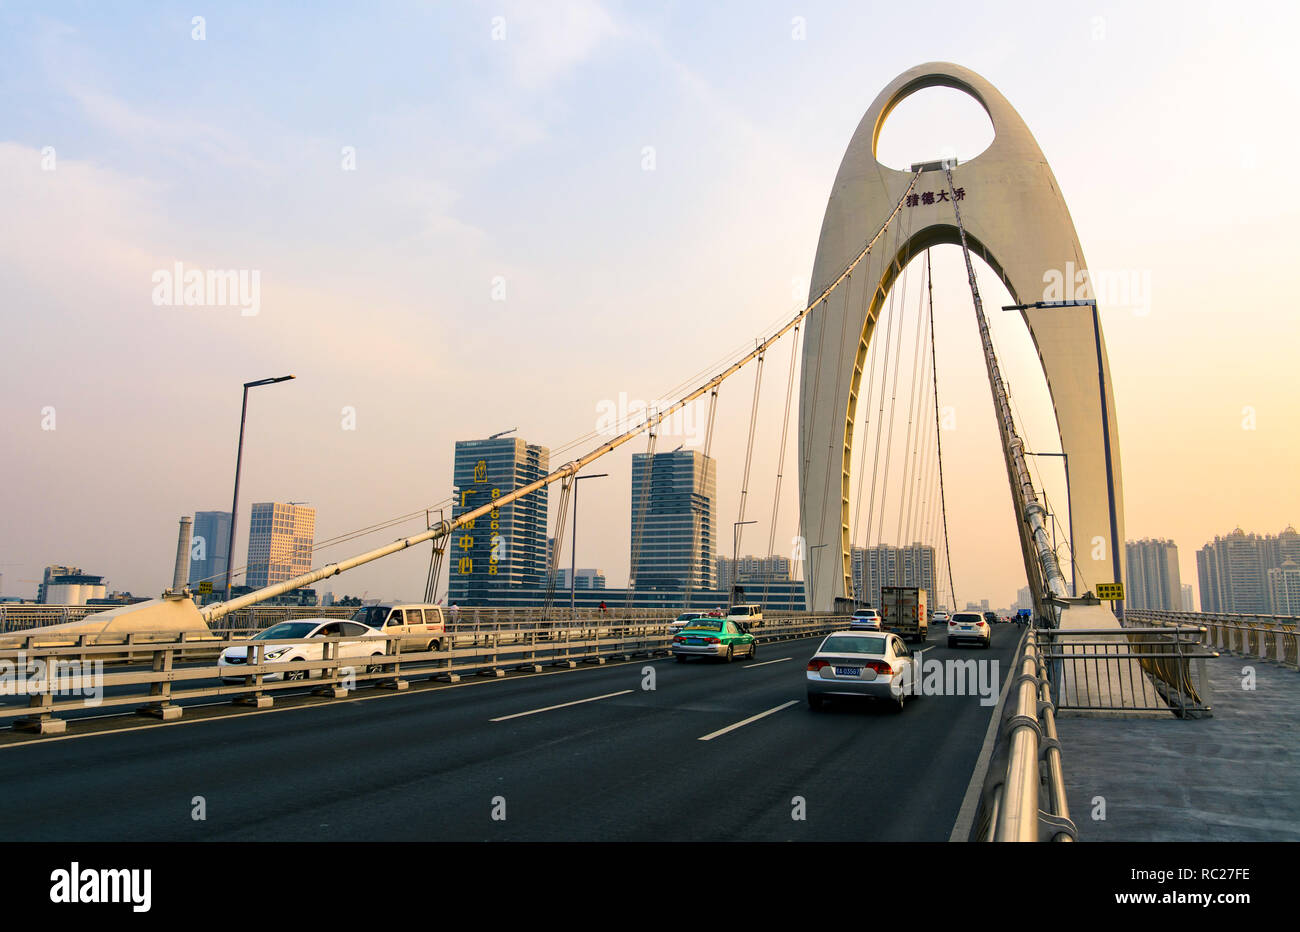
{"x":547,"y":41}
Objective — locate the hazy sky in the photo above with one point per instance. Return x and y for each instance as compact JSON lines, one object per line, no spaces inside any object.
{"x":392,"y":171}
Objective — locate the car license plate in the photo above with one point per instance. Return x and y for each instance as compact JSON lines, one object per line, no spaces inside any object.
{"x":848,"y":671}
{"x":966,"y":628}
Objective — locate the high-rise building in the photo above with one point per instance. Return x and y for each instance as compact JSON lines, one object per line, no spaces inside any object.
{"x":674,"y":539}
{"x":1233,"y":571}
{"x":209,"y":549}
{"x":1189,"y":601}
{"x":506,"y":548}
{"x":887,"y":565}
{"x":752,"y":571}
{"x":1153,"y":581}
{"x":1284,"y":588}
{"x":280,"y":540}
{"x":587,"y":579}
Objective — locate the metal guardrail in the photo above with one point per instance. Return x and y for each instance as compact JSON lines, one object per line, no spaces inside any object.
{"x":1157,"y":669}
{"x":1265,"y":637}
{"x":24,"y":616}
{"x":173,"y":664}
{"x":1023,"y":798}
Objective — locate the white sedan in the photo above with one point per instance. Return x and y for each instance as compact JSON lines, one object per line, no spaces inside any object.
{"x":309,"y":648}
{"x":875,"y":665}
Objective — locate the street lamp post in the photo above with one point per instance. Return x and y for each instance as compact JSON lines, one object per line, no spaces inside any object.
{"x":573,"y":548}
{"x":239,"y":459}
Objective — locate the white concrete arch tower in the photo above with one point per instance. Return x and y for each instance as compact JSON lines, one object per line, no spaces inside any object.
{"x":1017,"y":221}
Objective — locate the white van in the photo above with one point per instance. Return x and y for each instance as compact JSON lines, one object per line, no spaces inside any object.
{"x":749,"y":615}
{"x":423,"y":626}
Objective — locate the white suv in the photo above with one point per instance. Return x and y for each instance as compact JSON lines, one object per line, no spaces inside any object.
{"x":865,"y":619}
{"x":969,"y":626}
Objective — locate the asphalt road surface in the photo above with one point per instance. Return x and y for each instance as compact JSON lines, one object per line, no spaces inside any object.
{"x":579,"y":755}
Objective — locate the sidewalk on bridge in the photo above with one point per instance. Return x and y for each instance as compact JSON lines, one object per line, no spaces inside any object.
{"x":1233,"y":777}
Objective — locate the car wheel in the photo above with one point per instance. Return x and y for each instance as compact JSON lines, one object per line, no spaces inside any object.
{"x":295,"y":676}
{"x":815,"y":702}
{"x":731,"y":652}
{"x":898,"y":704}
{"x":374,"y":666}
{"x":753,"y":649}
{"x":435,"y":644}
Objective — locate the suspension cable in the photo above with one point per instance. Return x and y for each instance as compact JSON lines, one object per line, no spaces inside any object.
{"x":216,"y":611}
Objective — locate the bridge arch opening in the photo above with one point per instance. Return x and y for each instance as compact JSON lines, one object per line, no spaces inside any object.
{"x":932,"y":123}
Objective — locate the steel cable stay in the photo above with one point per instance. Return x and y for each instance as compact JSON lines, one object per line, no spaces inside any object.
{"x":219,"y":610}
{"x":875,"y":353}
{"x":884,"y":377}
{"x":696,"y":520}
{"x":1023,"y":493}
{"x":831,"y":442}
{"x":647,"y":477}
{"x":938,"y":424}
{"x":908,"y":442}
{"x":893,"y":398}
{"x":780,"y":456}
{"x":566,"y":490}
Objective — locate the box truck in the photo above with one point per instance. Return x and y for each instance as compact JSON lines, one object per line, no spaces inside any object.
{"x":903,"y":610}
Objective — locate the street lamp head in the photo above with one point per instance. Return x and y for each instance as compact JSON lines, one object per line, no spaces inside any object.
{"x":282,"y":378}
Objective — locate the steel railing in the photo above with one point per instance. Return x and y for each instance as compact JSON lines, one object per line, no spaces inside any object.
{"x":55,"y":676}
{"x":1023,"y":797}
{"x":1129,"y":669}
{"x":1266,"y":637}
{"x":23,"y":617}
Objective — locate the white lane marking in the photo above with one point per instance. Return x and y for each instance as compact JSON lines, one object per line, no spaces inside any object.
{"x":562,"y":705}
{"x":752,"y":718}
{"x":763,"y":663}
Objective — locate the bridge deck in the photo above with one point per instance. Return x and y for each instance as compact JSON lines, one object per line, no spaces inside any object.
{"x":1233,"y":777}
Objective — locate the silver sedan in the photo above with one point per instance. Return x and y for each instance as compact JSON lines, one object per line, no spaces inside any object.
{"x":875,"y":665}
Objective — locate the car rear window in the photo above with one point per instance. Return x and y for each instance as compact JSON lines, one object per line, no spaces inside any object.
{"x":967,"y":618}
{"x":705,"y":624}
{"x":847,"y":645}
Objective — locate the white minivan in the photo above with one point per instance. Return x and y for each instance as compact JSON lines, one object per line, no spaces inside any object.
{"x":422,"y":626}
{"x":747,"y":615}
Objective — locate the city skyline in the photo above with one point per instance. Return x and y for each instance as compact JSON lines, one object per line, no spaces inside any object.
{"x":418,"y":259}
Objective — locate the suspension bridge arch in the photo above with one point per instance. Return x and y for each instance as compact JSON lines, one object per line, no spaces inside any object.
{"x":1016,"y":220}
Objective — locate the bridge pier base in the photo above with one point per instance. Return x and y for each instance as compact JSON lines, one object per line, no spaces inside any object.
{"x":164,"y":712}
{"x":41,"y":725}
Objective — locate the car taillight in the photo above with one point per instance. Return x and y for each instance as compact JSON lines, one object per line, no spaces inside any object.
{"x":678,"y":640}
{"x":712,"y":641}
{"x":983,"y":624}
{"x":815,"y":665}
{"x":880,"y":666}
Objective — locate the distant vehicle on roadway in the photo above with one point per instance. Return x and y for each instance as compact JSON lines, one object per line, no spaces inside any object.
{"x":865,"y":619}
{"x":422,"y":626}
{"x":940,"y":617}
{"x":872,"y":665}
{"x":969,"y":626}
{"x":749,"y":615}
{"x":904,"y":610}
{"x":991,"y":617}
{"x":684,"y":618}
{"x":721,"y":638}
{"x":310,"y":630}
